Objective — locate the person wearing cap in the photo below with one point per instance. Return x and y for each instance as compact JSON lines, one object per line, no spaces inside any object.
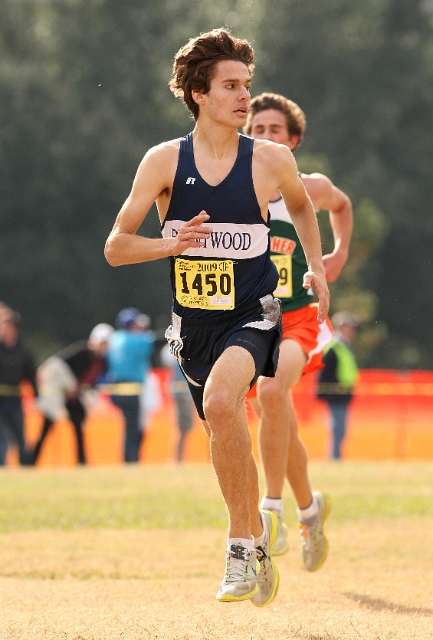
{"x":339,"y":376}
{"x":66,"y":384}
{"x":16,"y":364}
{"x":129,"y":360}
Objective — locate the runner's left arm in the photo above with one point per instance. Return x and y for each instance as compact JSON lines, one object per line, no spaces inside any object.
{"x":304,"y":218}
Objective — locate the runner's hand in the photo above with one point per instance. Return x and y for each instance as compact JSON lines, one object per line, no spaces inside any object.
{"x":333,"y":263}
{"x":318,"y":283}
{"x":192,"y":234}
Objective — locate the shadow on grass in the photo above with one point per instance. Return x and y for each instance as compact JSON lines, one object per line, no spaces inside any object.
{"x":377,"y":604}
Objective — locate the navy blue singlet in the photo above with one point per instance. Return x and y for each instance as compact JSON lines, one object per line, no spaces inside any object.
{"x":233,"y":269}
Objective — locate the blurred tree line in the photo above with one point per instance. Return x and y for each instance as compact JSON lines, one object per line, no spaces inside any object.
{"x":84,"y":95}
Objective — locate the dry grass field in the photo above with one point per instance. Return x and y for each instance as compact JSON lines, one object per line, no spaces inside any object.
{"x":137,"y":553}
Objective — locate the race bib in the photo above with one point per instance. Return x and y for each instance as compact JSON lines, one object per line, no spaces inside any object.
{"x":205,"y":284}
{"x":283,"y":263}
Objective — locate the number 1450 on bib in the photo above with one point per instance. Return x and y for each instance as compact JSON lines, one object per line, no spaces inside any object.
{"x":205,"y":284}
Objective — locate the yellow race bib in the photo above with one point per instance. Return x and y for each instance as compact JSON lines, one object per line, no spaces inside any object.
{"x":283,"y":263}
{"x":205,"y":284}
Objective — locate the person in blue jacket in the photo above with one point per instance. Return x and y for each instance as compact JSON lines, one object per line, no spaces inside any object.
{"x":129,"y":359}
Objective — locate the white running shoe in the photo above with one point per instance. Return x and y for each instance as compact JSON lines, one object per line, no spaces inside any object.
{"x":281,"y":545}
{"x":268,"y":578}
{"x":240,"y":578}
{"x":315,"y":546}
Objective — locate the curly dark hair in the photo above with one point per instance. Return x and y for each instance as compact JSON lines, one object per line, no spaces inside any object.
{"x":194,"y":63}
{"x":295,"y":117}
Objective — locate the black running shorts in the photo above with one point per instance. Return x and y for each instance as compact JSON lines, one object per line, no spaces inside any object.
{"x":198,"y":344}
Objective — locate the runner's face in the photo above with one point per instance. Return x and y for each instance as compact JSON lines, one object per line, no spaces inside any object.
{"x":229,"y":95}
{"x":271,"y":125}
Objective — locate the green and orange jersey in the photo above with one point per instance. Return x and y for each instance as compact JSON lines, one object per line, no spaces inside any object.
{"x":289,"y":258}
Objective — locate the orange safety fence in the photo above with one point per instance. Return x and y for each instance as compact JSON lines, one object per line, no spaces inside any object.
{"x":391,"y":417}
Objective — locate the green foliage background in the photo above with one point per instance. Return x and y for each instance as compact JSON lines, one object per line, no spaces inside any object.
{"x":84,"y":95}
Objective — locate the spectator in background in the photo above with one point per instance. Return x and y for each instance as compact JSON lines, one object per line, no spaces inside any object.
{"x":16,"y":365}
{"x":67,"y":383}
{"x":182,"y":401}
{"x":339,"y":376}
{"x":151,"y":397}
{"x":129,"y":359}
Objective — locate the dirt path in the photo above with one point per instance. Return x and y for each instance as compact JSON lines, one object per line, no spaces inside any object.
{"x":161,"y":585}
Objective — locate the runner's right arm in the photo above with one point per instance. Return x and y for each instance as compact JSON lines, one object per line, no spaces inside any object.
{"x":153,"y":183}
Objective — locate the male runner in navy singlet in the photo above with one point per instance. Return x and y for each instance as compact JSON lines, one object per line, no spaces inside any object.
{"x":212,"y":190}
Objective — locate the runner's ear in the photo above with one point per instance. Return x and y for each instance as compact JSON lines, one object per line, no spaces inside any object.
{"x":197,"y":96}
